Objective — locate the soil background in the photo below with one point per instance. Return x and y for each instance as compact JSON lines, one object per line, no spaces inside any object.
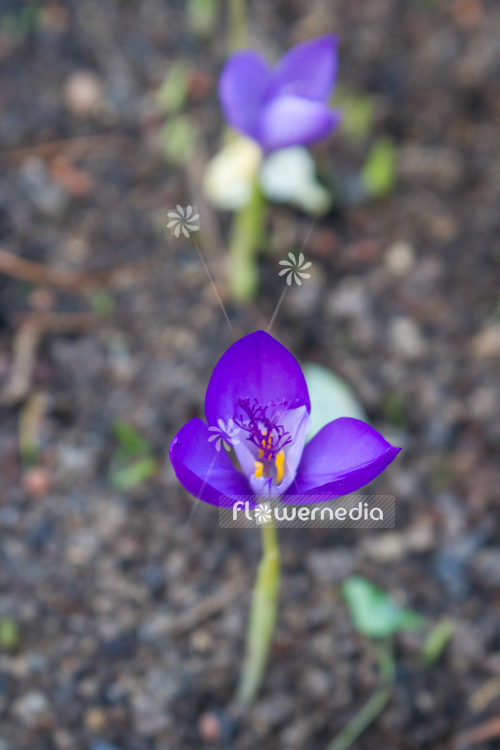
{"x":128,"y":623}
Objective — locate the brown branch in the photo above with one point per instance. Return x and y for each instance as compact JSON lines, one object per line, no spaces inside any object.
{"x":77,"y":147}
{"x":25,"y":345}
{"x":71,"y":281}
{"x":475,"y":736}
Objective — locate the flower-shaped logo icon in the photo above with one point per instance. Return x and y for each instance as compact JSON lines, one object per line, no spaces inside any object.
{"x":225,"y":435}
{"x":295,"y":269}
{"x":183,"y":220}
{"x":263,"y":513}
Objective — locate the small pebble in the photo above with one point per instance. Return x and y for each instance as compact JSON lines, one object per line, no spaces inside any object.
{"x":406,"y":338}
{"x":95,"y":719}
{"x":400,"y":258}
{"x":37,"y":481}
{"x":82,"y":93}
{"x":486,"y":344}
{"x":31,"y":707}
{"x":209,"y":727}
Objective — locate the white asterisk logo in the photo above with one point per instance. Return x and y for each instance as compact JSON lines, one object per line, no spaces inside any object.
{"x":263,"y":513}
{"x":225,"y":435}
{"x":183,"y":220}
{"x":295,"y":269}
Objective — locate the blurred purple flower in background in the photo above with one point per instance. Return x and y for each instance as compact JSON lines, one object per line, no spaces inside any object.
{"x":285,"y":105}
{"x":259,"y":385}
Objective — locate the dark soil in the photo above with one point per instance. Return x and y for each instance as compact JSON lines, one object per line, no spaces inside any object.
{"x":121,"y":642}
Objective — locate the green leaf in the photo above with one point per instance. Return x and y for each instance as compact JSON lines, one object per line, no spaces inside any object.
{"x":172,"y":94}
{"x":246,"y":237}
{"x":437,"y":640}
{"x":179,"y":136}
{"x":131,"y":476}
{"x":357,"y":113}
{"x":373,"y":612}
{"x":131,"y":443}
{"x":102,"y":303}
{"x":202,"y":16}
{"x":379,"y":171}
{"x":331,"y":398}
{"x":394,"y":409}
{"x":9,"y":634}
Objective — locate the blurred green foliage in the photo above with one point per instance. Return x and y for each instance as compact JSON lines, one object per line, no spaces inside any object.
{"x":437,"y":640}
{"x":17,"y":24}
{"x":102,"y":303}
{"x":172,"y":94}
{"x":10,"y":638}
{"x":378,"y":174}
{"x":357,"y":113}
{"x":133,"y":462}
{"x":373,"y":612}
{"x":394,"y":409}
{"x":179,"y":137}
{"x":202,"y":16}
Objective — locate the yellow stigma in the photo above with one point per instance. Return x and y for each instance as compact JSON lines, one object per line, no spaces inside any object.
{"x":259,"y":469}
{"x":280,"y":467}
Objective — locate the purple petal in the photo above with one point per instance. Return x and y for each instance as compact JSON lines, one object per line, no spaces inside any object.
{"x":255,"y":367}
{"x":308,"y":70}
{"x":242,"y":86}
{"x":203,"y":471}
{"x":344,"y":456}
{"x":291,"y":120}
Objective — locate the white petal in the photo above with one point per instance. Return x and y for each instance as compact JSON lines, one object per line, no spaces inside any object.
{"x":289,"y":280}
{"x":297,"y":279}
{"x":292,"y":258}
{"x":177,"y":230}
{"x":285,"y":263}
{"x":185,"y":231}
{"x":306,"y":265}
{"x":301,"y":259}
{"x":172,"y":223}
{"x":285,"y":270}
{"x":180,"y":210}
{"x":305,"y":275}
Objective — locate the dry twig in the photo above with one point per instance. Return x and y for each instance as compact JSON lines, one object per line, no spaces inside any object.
{"x":72,"y":281}
{"x":477,"y":735}
{"x":26,"y":340}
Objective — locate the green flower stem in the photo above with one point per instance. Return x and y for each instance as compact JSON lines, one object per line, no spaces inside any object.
{"x":371,"y":709}
{"x":263,"y":615}
{"x":237,"y":24}
{"x":246,"y":235}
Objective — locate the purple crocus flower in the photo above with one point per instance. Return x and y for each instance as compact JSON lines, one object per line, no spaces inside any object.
{"x":285,"y":105}
{"x":259,"y":385}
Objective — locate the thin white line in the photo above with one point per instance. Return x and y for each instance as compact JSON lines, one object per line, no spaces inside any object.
{"x":308,"y":235}
{"x":207,"y":271}
{"x":193,"y":509}
{"x":283,"y":293}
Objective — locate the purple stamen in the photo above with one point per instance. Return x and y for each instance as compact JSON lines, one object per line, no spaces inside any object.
{"x":263,"y":429}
